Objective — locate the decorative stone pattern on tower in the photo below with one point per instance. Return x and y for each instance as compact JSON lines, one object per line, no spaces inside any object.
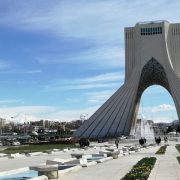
{"x":152,"y":53}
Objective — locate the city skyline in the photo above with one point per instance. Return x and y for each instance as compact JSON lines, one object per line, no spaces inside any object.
{"x":61,"y":59}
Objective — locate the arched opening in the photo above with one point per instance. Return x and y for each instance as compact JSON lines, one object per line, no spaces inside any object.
{"x":154,"y":80}
{"x":157,"y":104}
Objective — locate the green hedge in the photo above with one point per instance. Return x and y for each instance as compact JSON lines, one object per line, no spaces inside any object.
{"x":35,"y":148}
{"x":178,"y":147}
{"x":141,"y":170}
{"x":178,"y":158}
{"x":161,"y":150}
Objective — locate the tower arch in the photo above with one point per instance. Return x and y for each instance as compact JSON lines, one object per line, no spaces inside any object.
{"x":152,"y":58}
{"x":153,"y":73}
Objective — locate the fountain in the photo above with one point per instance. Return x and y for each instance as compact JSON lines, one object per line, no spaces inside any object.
{"x":143,"y":129}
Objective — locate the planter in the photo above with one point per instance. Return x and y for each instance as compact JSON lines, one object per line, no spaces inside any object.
{"x":115,"y":156}
{"x":161,"y":150}
{"x":141,"y":170}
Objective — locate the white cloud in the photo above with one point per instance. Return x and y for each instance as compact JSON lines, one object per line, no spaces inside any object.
{"x":158,"y":108}
{"x":158,"y":118}
{"x":35,"y":71}
{"x":80,"y":86}
{"x":4,"y":64}
{"x":9,"y":67}
{"x":159,"y":113}
{"x":99,"y":22}
{"x":99,"y":81}
{"x":73,"y":100}
{"x":11,"y":101}
{"x":32,"y":113}
{"x":105,"y":57}
{"x":163,"y":108}
{"x":23,"y":117}
{"x":165,"y":119}
{"x":8,"y":112}
{"x":20,"y":71}
{"x":73,"y":114}
{"x":99,"y":97}
{"x":83,"y":18}
{"x":114,"y":76}
{"x":99,"y":57}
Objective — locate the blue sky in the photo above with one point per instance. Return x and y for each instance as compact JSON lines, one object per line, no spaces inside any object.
{"x":63,"y":58}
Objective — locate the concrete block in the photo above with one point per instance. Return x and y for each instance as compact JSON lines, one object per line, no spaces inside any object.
{"x":103,"y":159}
{"x":50,"y":171}
{"x":77,"y":155}
{"x":49,"y":174}
{"x":34,"y":154}
{"x":119,"y":155}
{"x":90,"y":164}
{"x":66,"y":150}
{"x":59,"y":161}
{"x":115,"y":156}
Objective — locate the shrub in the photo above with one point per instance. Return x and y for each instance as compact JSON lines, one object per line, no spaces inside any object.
{"x":141,"y":170}
{"x":161,"y":150}
{"x":178,"y":158}
{"x":178,"y":147}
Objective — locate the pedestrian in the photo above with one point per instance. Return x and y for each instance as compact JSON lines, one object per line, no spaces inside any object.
{"x":117,"y":142}
{"x":141,"y":141}
{"x":165,"y":139}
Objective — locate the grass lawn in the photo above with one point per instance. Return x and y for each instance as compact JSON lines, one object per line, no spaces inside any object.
{"x":178,"y":158}
{"x":141,"y":170}
{"x":36,"y":148}
{"x":162,"y":150}
{"x":178,"y":147}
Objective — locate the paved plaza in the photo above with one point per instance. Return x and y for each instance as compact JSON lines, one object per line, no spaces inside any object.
{"x":113,"y":169}
{"x":166,"y":166}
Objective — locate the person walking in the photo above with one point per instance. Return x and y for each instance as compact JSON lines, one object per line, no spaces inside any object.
{"x":117,"y":142}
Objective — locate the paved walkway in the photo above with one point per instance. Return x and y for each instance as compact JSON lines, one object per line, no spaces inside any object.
{"x":167,"y":166}
{"x":110,"y":170}
{"x":21,"y":162}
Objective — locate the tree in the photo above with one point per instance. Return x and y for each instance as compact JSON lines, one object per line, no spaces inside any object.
{"x":169,"y":129}
{"x":178,"y":129}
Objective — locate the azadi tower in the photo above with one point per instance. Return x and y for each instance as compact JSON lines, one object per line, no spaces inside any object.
{"x":152,"y":57}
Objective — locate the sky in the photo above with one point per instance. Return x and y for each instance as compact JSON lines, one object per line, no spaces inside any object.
{"x":62,"y":59}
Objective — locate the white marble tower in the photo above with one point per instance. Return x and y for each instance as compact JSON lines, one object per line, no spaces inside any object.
{"x":152,"y":57}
